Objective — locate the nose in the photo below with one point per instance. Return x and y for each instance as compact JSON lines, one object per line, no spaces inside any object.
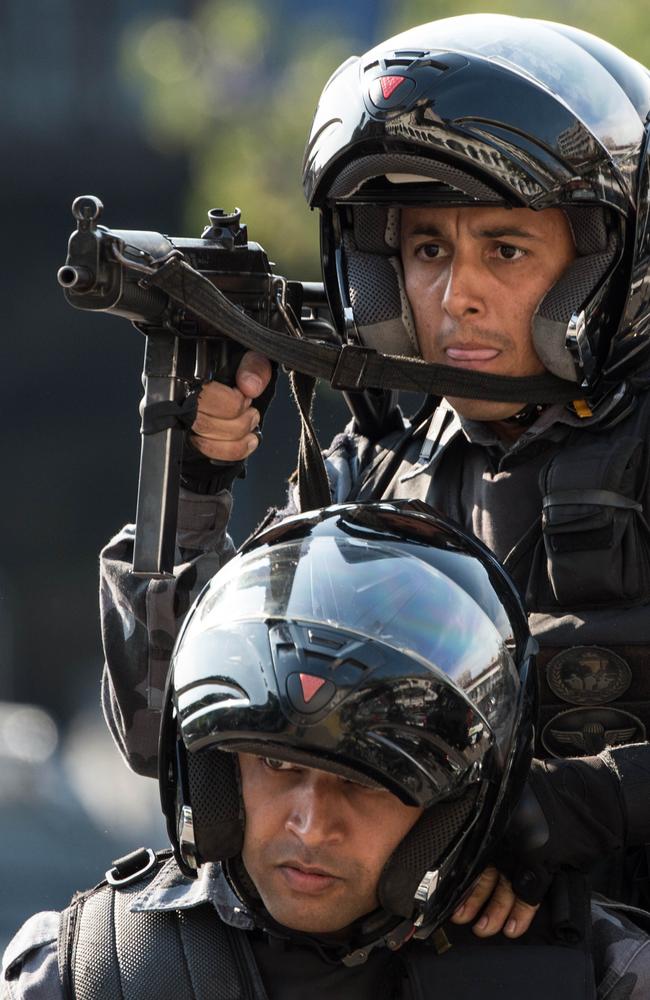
{"x":463,"y":294}
{"x":317,"y":810}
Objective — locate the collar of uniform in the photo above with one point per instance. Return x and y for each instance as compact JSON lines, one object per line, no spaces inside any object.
{"x":551,"y":423}
{"x":171,"y":890}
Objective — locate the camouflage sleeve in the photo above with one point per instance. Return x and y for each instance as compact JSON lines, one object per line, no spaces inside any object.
{"x":621,"y":952}
{"x":30,"y":968}
{"x":140,"y":619}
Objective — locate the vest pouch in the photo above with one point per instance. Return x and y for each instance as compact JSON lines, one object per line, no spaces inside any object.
{"x":595,"y":535}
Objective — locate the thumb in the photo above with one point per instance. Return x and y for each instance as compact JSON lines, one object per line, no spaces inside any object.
{"x":253,"y":374}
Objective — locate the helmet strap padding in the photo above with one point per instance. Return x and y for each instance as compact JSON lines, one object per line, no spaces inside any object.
{"x":217,"y":807}
{"x":596,"y":246}
{"x":421,"y":851}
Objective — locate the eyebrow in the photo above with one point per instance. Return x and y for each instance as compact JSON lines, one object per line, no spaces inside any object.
{"x":492,"y":234}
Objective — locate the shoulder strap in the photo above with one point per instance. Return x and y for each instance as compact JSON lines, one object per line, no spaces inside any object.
{"x":108,"y":952}
{"x":435,"y":423}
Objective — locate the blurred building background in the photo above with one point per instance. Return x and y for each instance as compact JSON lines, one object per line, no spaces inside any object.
{"x":163,"y":108}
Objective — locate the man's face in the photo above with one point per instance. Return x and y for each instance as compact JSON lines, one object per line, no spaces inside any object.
{"x":474,"y":278}
{"x":315,"y":844}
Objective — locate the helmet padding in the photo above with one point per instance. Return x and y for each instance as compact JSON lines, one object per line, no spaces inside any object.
{"x":383,"y":313}
{"x":596,"y":248}
{"x":423,"y":849}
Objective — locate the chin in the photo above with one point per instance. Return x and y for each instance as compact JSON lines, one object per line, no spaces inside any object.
{"x":483,"y":409}
{"x":308,"y":923}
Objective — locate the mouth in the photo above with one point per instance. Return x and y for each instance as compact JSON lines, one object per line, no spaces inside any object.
{"x":307,"y":880}
{"x":469,"y":355}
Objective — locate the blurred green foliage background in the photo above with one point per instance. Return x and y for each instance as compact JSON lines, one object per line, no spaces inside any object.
{"x":234,"y":88}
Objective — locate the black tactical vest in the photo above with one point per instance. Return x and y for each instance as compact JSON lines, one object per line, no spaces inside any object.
{"x":581,"y":559}
{"x":107,"y":952}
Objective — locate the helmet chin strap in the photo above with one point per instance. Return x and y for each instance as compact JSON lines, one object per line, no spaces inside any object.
{"x":376,"y":930}
{"x":526,"y":416}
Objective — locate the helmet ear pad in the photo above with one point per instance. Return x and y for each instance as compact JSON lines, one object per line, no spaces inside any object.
{"x":422,"y":851}
{"x":214,"y":792}
{"x":375,"y":281}
{"x":596,"y":247}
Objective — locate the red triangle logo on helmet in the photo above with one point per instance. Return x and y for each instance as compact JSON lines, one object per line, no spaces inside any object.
{"x":310,"y":686}
{"x":389,"y":84}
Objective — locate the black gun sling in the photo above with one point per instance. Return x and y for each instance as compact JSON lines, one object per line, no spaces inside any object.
{"x":348,"y":367}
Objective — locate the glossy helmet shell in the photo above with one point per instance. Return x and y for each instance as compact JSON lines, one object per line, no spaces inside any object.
{"x":488,"y":109}
{"x":377,"y":641}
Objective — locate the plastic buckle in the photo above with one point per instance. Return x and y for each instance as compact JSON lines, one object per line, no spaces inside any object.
{"x":131,"y":867}
{"x":350,"y":366}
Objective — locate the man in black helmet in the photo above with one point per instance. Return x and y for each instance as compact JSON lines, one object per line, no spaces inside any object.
{"x":483,"y":188}
{"x":337,"y":760}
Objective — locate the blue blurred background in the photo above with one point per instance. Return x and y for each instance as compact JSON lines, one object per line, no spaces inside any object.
{"x":163,"y":108}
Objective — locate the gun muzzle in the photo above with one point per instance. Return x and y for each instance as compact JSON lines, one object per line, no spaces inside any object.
{"x":80,"y":278}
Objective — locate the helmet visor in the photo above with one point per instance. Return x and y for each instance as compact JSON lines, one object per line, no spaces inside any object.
{"x":377,"y":590}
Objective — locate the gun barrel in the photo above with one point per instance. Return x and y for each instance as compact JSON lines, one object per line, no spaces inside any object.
{"x":79,"y":278}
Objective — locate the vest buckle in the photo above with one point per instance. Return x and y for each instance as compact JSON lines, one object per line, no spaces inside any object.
{"x":131,"y":867}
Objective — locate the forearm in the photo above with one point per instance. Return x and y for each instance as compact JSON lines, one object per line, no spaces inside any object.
{"x":606,"y":798}
{"x":630,"y":765}
{"x":140,"y":618}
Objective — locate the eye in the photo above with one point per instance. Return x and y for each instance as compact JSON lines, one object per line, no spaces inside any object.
{"x":506,"y":251}
{"x":274,"y":764}
{"x":431,"y":251}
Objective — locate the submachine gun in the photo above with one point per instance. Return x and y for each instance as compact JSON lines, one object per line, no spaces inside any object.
{"x":200,"y":303}
{"x":115,"y":271}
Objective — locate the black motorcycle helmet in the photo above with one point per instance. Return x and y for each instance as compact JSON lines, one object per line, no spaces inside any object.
{"x":377,"y":641}
{"x":488,"y":109}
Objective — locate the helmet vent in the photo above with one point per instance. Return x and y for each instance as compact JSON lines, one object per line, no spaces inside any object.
{"x":406,"y":58}
{"x":327,"y":640}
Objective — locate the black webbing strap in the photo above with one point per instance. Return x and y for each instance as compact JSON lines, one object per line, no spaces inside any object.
{"x":169,"y":413}
{"x":349,"y":367}
{"x":598,"y":498}
{"x":313,"y":485}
